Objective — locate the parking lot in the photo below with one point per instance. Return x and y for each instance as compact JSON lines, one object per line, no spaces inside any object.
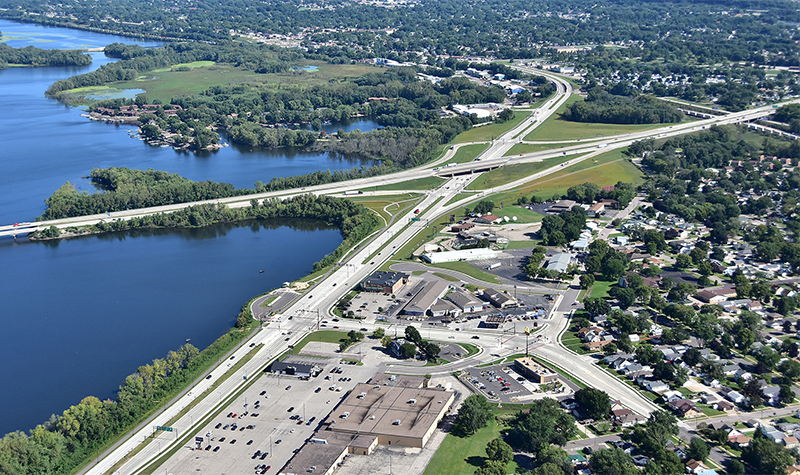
{"x":502,"y":383}
{"x":272,"y":407}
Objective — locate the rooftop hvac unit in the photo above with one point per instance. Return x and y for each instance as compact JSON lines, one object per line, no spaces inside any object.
{"x":372,"y":417}
{"x":413,"y":401}
{"x":362,"y":395}
{"x":345,"y":415}
{"x":397,"y":422}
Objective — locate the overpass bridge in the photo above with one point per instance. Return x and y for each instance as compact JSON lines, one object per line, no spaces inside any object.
{"x":469,"y":168}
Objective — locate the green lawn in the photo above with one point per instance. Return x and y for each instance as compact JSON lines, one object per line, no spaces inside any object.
{"x":463,"y":455}
{"x":605,"y":169}
{"x":460,"y":197}
{"x":509,"y":173}
{"x":521,"y":244}
{"x":468,"y":269}
{"x":165,"y":84}
{"x":523,"y":215}
{"x":573,"y":342}
{"x":392,"y":204}
{"x":521,"y":148}
{"x":485,"y":133}
{"x":600,"y":288}
{"x":426,"y":183}
{"x":467,"y":153}
{"x":446,"y":277}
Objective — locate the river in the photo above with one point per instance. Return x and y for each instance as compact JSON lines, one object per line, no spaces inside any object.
{"x":79,"y":315}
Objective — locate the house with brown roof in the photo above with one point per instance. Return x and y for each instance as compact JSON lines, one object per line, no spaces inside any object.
{"x":685,"y":408}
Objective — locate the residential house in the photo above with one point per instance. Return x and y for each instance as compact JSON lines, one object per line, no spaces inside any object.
{"x":685,"y":408}
{"x":771,"y":395}
{"x":736,"y":397}
{"x":695,"y":466}
{"x":791,"y":442}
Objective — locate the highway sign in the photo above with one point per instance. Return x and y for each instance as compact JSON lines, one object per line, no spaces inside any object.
{"x":414,"y":219}
{"x":164,"y":428}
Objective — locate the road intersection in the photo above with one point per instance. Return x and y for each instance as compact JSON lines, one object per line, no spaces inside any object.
{"x":303,"y":315}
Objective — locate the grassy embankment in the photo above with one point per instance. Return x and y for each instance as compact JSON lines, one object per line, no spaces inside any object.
{"x":468,"y":153}
{"x":485,"y":133}
{"x":557,"y":129}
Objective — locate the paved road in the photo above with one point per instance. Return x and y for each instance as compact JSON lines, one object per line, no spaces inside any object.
{"x":360,"y":263}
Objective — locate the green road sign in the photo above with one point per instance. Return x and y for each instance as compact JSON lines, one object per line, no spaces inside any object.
{"x":414,"y":219}
{"x":164,"y":428}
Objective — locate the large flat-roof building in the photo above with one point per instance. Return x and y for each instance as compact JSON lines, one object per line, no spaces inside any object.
{"x":295,"y":369}
{"x":499,"y":299}
{"x":396,"y":415}
{"x":384,"y":282}
{"x":462,"y":255}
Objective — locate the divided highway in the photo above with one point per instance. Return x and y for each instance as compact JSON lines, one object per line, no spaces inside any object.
{"x":306,"y":311}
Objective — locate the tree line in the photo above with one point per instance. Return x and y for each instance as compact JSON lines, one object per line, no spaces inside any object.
{"x":604,"y":107}
{"x":69,"y":440}
{"x":354,"y":221}
{"x":38,"y":57}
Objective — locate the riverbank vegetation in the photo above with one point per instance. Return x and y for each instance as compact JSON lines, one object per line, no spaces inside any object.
{"x":68,"y":441}
{"x":32,"y":56}
{"x":354,"y":221}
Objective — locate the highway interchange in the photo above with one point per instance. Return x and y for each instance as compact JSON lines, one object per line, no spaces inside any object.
{"x":302,"y":316}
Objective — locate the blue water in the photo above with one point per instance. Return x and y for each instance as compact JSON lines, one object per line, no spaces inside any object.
{"x":79,"y":315}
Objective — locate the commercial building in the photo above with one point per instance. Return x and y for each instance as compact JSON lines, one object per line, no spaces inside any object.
{"x":323,"y":454}
{"x":424,"y":295}
{"x":466,"y":301}
{"x":499,"y":299}
{"x":559,"y":262}
{"x":462,"y":255}
{"x":396,"y":415}
{"x":561,"y":206}
{"x":295,"y":369}
{"x":532,"y":369}
{"x":384,"y":282}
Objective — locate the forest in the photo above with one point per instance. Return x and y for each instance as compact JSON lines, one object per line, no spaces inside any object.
{"x":607,"y":108}
{"x":124,"y":188}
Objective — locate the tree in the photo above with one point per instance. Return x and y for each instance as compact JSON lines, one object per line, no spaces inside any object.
{"x":625,"y":296}
{"x":698,"y":449}
{"x":484,"y":207}
{"x":408,"y":350}
{"x":475,"y":413}
{"x":412,"y":334}
{"x":735,"y":467}
{"x":386,"y":340}
{"x":767,"y":456}
{"x":545,"y":423}
{"x":378,"y":333}
{"x":587,"y":280}
{"x":613,"y":461}
{"x":786,"y":395}
{"x":790,"y":369}
{"x":596,"y":306}
{"x":683,"y":261}
{"x":490,"y":467}
{"x":499,"y":451}
{"x":691,"y":356}
{"x":610,"y":349}
{"x":594,"y":401}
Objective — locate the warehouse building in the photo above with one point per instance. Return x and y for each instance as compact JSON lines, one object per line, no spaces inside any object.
{"x":462,"y":255}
